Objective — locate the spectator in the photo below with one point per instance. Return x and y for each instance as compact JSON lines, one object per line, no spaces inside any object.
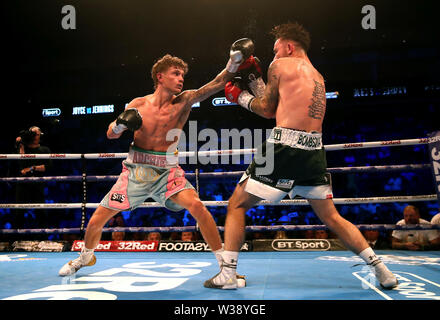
{"x":139,"y":236}
{"x":309,"y":234}
{"x":28,"y":142}
{"x":280,"y":234}
{"x":335,"y":242}
{"x":259,"y":235}
{"x":70,"y":237}
{"x":118,"y":236}
{"x":187,"y":236}
{"x":375,"y":240}
{"x":174,"y":236}
{"x":154,"y":236}
{"x":321,"y":234}
{"x":436,"y":221}
{"x":413,"y":239}
{"x":117,"y":221}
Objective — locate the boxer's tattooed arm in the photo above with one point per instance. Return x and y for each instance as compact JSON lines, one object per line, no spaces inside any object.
{"x":212,"y":87}
{"x":266,"y":106}
{"x":317,"y":108}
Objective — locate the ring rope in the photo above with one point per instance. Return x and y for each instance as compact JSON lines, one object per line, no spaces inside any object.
{"x":217,"y":203}
{"x":380,"y":227}
{"x":218,"y":174}
{"x":331,"y":147}
{"x":85,"y":178}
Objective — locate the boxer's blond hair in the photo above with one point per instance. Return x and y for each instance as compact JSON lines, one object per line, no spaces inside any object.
{"x":292,"y":31}
{"x":162,"y":65}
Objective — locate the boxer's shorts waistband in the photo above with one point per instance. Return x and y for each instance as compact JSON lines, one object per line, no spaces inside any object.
{"x":154,"y":158}
{"x":296,"y":139}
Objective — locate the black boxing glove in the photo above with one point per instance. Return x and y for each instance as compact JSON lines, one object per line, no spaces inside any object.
{"x":129,"y":119}
{"x":240,"y":51}
{"x":250,"y":71}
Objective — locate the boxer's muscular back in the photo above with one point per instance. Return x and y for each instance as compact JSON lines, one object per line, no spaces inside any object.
{"x":157,"y":123}
{"x":301,"y":102}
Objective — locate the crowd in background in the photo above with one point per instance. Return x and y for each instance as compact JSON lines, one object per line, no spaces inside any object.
{"x":358,"y":129}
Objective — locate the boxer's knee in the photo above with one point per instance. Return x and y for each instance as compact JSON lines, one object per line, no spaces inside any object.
{"x":234,"y":203}
{"x":99,"y":218}
{"x":94,"y":225}
{"x":241,"y":200}
{"x":331,"y":221}
{"x":197,"y":209}
{"x":326,"y":212}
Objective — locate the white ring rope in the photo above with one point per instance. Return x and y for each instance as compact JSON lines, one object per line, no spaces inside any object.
{"x":229,"y":174}
{"x":331,"y":147}
{"x":387,"y":227}
{"x":299,"y":202}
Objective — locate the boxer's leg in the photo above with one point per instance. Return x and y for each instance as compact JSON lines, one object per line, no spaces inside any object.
{"x":94,"y":228}
{"x":189,"y":200}
{"x":116,"y":200}
{"x":239,"y":203}
{"x":93,"y":234}
{"x":352,"y":239}
{"x":345,"y":230}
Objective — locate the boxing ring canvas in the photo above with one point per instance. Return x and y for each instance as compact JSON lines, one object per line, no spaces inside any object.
{"x":323,"y":275}
{"x":179,"y":276}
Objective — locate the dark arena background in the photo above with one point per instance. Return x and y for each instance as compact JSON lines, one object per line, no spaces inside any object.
{"x":72,"y":77}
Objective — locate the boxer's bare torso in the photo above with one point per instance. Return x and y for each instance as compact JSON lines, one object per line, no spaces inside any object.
{"x":301,"y":102}
{"x":166,"y":111}
{"x":294,"y":94}
{"x":158,"y":120}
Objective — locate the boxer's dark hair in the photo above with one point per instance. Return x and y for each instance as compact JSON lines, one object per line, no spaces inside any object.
{"x":292,"y":31}
{"x":162,"y":64}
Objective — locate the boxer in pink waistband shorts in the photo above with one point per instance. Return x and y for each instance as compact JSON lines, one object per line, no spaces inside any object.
{"x":150,"y":171}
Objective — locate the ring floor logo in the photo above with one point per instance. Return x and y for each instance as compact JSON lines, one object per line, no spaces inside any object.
{"x":17,"y":257}
{"x":388,"y":258}
{"x":145,"y":277}
{"x":411,"y":286}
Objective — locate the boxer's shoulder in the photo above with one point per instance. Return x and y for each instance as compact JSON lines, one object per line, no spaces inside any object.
{"x":281,"y":62}
{"x":277,"y":67}
{"x":184,"y":97}
{"x":137,"y":103}
{"x":287,"y":63}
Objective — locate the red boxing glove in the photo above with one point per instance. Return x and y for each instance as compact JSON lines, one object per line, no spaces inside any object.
{"x":233,"y":91}
{"x":252,"y":64}
{"x":251,"y":73}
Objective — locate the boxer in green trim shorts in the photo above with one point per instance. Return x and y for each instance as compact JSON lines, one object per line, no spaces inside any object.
{"x":299,"y":167}
{"x":295,"y":96}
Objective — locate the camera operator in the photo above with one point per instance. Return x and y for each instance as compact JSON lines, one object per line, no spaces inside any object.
{"x":28,"y":142}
